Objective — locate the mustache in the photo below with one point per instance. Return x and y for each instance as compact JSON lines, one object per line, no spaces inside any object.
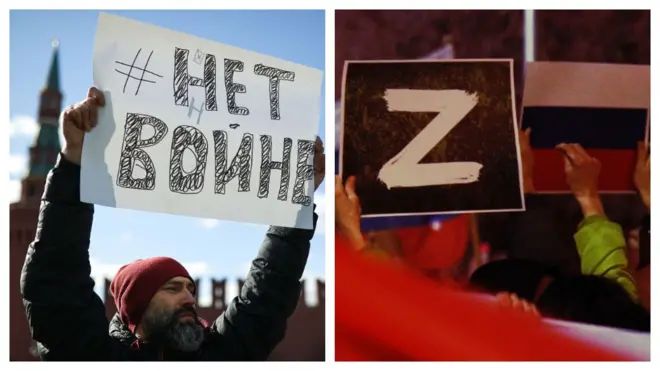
{"x":186,"y":310}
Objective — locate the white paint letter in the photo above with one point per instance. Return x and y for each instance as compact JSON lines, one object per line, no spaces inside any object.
{"x":404,"y":169}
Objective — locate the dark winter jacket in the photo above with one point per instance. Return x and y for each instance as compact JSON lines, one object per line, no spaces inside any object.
{"x":67,"y":318}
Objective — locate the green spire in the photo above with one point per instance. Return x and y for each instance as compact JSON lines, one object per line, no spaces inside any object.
{"x":46,"y":146}
{"x":53,"y":81}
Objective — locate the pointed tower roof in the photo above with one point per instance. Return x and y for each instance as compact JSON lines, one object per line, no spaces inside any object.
{"x":53,"y":80}
{"x":46,"y":145}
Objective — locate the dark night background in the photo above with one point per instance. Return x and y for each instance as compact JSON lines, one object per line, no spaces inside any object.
{"x":600,"y":36}
{"x":373,"y":135}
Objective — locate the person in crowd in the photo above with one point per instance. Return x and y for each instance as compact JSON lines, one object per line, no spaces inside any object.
{"x":605,"y":293}
{"x":155,"y":298}
{"x":379,"y":244}
{"x":599,"y":241}
{"x":641,"y":268}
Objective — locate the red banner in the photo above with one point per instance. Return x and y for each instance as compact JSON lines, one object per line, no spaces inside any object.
{"x":385,"y":312}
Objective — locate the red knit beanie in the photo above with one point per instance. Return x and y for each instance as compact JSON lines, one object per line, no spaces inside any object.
{"x":136,"y":283}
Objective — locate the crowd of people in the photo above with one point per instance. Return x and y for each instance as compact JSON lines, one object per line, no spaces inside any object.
{"x":612,"y":288}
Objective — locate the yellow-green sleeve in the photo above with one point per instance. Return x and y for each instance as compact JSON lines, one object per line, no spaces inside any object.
{"x":601,"y":245}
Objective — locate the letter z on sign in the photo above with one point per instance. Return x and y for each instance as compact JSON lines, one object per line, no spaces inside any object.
{"x":404,"y":169}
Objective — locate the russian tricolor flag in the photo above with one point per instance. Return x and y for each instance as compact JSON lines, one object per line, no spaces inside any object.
{"x":603,"y":107}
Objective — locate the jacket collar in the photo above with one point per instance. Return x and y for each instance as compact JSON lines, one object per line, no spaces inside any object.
{"x":118,"y":330}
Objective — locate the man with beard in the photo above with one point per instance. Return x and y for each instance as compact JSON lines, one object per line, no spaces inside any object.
{"x":155,"y":297}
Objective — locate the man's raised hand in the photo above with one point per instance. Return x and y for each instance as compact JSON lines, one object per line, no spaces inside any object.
{"x":78,"y":119}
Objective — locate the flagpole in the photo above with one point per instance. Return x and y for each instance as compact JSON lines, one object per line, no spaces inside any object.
{"x":529,"y":36}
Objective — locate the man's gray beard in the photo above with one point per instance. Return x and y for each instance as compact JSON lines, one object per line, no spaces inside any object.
{"x":161,"y":324}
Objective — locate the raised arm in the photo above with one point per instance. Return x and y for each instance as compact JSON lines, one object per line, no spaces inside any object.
{"x":642,"y":181}
{"x":600,"y":242}
{"x":347,"y":214}
{"x":255,"y":321}
{"x":65,"y":315}
{"x":601,"y":246}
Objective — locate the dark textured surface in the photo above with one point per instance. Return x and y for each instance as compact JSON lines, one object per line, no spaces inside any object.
{"x":410,"y":34}
{"x":601,"y":36}
{"x":373,"y":135}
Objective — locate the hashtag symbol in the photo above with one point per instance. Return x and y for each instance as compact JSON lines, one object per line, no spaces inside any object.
{"x":141,"y":71}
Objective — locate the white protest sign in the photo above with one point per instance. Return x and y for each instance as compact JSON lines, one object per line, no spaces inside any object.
{"x":194,"y":127}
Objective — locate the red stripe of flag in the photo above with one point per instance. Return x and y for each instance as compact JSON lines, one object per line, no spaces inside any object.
{"x":615,"y":176}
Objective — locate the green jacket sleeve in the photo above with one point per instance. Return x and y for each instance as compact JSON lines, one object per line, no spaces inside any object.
{"x":601,"y":246}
